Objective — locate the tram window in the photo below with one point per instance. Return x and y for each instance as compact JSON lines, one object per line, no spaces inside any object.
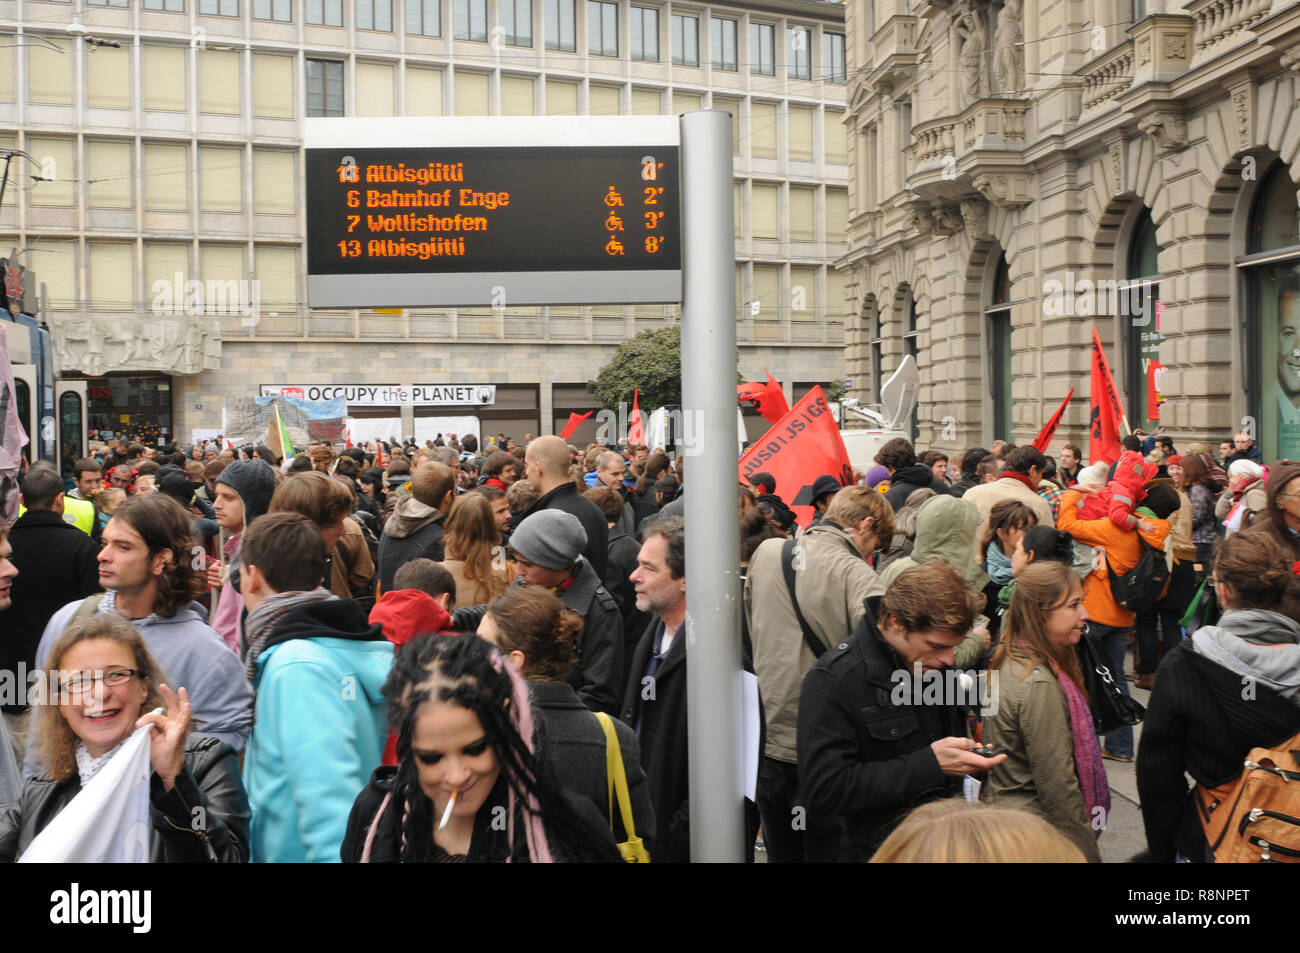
{"x":70,"y":420}
{"x":24,"y":393}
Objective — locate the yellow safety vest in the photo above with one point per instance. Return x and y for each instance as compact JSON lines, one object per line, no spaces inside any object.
{"x":78,"y":513}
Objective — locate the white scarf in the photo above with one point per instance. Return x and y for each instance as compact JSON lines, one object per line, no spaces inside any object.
{"x":87,"y":766}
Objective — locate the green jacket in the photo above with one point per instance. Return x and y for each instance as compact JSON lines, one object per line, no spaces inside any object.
{"x":1032,"y":720}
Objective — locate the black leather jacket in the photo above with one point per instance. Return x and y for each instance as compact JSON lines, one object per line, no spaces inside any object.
{"x":181,"y":834}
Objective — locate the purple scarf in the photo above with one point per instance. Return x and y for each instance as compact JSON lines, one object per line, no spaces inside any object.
{"x":1087,"y":753}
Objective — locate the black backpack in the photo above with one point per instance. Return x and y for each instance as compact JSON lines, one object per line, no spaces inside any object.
{"x":1139,"y":588}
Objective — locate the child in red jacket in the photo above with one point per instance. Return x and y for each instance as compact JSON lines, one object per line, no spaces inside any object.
{"x":1122,"y":494}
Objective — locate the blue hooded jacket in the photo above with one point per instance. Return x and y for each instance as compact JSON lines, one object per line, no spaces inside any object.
{"x":319,"y":729}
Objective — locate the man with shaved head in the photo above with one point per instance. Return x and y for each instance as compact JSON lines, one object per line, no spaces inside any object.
{"x":546,"y":465}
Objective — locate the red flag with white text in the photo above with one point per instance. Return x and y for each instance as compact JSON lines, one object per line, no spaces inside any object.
{"x":635,"y":425}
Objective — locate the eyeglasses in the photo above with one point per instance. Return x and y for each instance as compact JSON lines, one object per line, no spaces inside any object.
{"x":82,"y":681}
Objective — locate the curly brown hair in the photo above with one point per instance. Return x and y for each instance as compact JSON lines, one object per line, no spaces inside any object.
{"x":534,"y":621}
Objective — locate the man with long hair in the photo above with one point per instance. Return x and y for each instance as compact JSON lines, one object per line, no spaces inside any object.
{"x":147,"y":566}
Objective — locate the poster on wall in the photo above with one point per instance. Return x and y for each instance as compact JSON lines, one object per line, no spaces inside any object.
{"x":363,"y":430}
{"x":428,"y":428}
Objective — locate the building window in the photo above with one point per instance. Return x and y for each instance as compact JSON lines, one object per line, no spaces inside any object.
{"x":686,"y":40}
{"x":281,"y":10}
{"x":323,"y":12}
{"x":799,"y":56}
{"x":877,"y":355}
{"x":469,"y":20}
{"x":517,"y":22}
{"x":424,"y":17}
{"x":762,"y":52}
{"x":997,"y":318}
{"x":1273,"y":315}
{"x":722,"y":34}
{"x":602,"y":28}
{"x":219,"y":8}
{"x":833,"y":66}
{"x":561,"y":30}
{"x":645,"y":34}
{"x":1137,"y":306}
{"x":324,"y":88}
{"x":165,"y":6}
{"x":375,"y":15}
{"x":106,"y":3}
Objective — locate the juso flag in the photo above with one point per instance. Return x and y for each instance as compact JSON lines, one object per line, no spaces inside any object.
{"x":768,"y":399}
{"x":802,"y":446}
{"x":108,"y":821}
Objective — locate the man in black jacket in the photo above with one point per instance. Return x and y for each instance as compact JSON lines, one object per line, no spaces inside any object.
{"x":56,"y":565}
{"x":655,"y":703}
{"x":871,"y":744}
{"x":546,"y":463}
{"x":623,"y":550}
{"x":905,"y":474}
{"x":414,"y":531}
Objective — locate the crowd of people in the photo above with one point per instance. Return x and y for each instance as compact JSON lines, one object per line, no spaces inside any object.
{"x":449,"y":653}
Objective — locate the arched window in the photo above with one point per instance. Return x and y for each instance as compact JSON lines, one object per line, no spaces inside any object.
{"x":1271,"y":269}
{"x":1139,"y":313}
{"x":997,"y":317}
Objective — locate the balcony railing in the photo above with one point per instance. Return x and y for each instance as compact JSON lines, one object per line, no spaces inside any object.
{"x":1106,"y":77}
{"x":1220,"y":22}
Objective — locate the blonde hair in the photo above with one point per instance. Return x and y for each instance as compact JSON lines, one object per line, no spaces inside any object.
{"x":852,"y":504}
{"x":54,"y":737}
{"x":952,"y":831}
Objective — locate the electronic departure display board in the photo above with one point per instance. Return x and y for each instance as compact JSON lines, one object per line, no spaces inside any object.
{"x":493,"y":212}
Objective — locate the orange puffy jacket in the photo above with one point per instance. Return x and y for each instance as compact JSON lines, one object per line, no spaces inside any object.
{"x":1120,"y":548}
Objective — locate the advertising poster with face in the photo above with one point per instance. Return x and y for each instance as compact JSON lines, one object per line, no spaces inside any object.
{"x":1280,"y":338}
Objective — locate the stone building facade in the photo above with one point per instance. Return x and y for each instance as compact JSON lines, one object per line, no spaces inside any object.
{"x":1021,"y":174}
{"x":176,"y":157}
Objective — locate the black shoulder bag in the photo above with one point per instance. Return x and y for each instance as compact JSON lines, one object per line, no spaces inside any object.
{"x":1111,"y":708}
{"x":787,"y":567}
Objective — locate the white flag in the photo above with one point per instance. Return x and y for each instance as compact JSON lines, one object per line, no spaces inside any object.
{"x":108,"y":822}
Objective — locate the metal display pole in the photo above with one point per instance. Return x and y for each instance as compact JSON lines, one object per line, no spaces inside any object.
{"x":713,"y":685}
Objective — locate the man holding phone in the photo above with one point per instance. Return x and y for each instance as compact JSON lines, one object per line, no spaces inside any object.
{"x":868,"y":754}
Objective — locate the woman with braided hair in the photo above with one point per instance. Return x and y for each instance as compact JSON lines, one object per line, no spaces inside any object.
{"x":472,"y":783}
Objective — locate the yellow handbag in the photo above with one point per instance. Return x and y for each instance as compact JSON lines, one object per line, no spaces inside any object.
{"x":632,"y":849}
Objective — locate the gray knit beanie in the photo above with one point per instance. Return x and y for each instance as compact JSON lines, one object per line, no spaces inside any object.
{"x":552,"y":539}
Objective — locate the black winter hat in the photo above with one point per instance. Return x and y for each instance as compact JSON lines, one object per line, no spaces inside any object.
{"x":1162,"y":500}
{"x":254,"y":481}
{"x":176,"y":486}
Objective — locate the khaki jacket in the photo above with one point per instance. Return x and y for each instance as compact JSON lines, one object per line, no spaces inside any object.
{"x":1033,"y":722}
{"x":832,"y":588}
{"x":988,"y":495}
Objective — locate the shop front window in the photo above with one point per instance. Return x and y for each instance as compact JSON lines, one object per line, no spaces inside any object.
{"x":70,"y":449}
{"x":134,"y":407}
{"x":1273,"y":326}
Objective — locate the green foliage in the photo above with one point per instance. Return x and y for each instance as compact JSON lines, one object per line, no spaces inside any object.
{"x":835,"y":391}
{"x":651,"y":361}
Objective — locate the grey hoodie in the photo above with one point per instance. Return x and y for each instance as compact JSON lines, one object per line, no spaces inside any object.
{"x":191,"y":655}
{"x":414,"y":531}
{"x":1258,"y":644}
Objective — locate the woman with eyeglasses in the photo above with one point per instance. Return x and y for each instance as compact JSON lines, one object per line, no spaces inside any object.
{"x":107,"y":684}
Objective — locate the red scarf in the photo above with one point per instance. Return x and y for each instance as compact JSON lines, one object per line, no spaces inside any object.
{"x":1022,"y":477}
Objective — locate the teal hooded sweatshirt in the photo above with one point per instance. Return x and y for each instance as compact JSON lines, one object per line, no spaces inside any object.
{"x":318,"y":732}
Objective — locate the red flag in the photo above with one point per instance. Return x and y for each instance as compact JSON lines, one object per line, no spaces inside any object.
{"x":768,"y":399}
{"x":572,"y":425}
{"x":1107,"y":413}
{"x":803,"y":445}
{"x":635,"y":430}
{"x":1049,"y":429}
{"x":349,"y":436}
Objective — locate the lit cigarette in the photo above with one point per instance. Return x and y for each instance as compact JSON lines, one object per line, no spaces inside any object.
{"x":446,"y":814}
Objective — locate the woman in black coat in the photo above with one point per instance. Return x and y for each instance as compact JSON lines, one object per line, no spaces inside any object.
{"x":198,"y":808}
{"x":533,"y":629}
{"x":471,"y":783}
{"x":1229,"y":688}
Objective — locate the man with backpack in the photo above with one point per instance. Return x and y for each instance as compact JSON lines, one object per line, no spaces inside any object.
{"x":1111,"y":612}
